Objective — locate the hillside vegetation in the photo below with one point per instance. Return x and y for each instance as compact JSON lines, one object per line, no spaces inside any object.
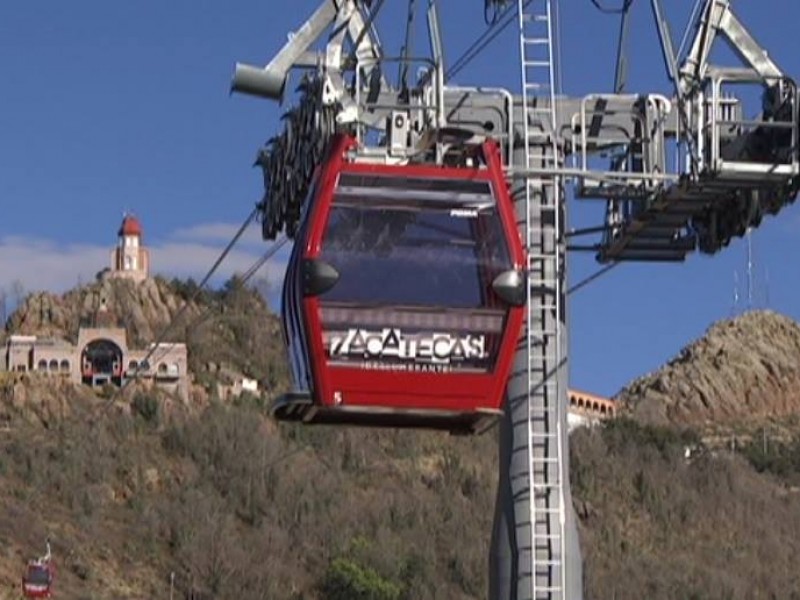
{"x":133,"y":488}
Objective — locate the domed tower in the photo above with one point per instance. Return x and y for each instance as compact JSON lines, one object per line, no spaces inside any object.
{"x":130,"y":259}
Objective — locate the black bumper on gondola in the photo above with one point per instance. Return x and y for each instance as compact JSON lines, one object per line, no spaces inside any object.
{"x":299,"y":407}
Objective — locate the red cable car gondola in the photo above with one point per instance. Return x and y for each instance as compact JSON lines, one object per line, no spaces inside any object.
{"x":37,"y":582}
{"x":403,"y":298}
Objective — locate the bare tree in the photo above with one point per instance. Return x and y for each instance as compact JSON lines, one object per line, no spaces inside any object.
{"x":18,"y":293}
{"x":3,"y":307}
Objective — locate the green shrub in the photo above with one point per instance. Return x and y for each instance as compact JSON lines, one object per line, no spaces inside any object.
{"x":107,"y":391}
{"x":624,"y":431}
{"x":248,"y":400}
{"x":778,"y":458}
{"x":346,"y":580}
{"x":146,"y":406}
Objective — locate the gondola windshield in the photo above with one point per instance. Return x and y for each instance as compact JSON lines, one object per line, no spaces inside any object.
{"x":415,"y":263}
{"x":38,"y":575}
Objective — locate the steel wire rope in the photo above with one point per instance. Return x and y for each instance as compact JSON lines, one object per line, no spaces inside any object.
{"x":626,"y":4}
{"x":559,"y":69}
{"x":688,"y":30}
{"x":483,"y":40}
{"x":369,"y":23}
{"x":405,"y":52}
{"x":160,"y":338}
{"x":244,"y":278}
{"x":591,"y":278}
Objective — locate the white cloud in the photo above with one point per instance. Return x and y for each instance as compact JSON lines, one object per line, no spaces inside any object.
{"x":219,"y":232}
{"x":41,"y":264}
{"x":194,"y":259}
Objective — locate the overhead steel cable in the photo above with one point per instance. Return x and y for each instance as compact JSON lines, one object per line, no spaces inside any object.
{"x":612,"y":11}
{"x":162,"y":336}
{"x":503,"y":19}
{"x":406,"y":52}
{"x":369,"y":22}
{"x":199,"y":289}
{"x":593,"y":277}
{"x":244,"y":278}
{"x":689,"y":26}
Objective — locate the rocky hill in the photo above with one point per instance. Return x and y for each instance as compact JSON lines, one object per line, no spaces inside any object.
{"x":137,"y":491}
{"x":741,"y":371}
{"x":143,"y":308}
{"x":227,"y":331}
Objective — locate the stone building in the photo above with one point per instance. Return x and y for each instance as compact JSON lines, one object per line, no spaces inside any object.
{"x":102,"y":355}
{"x":587,"y":409}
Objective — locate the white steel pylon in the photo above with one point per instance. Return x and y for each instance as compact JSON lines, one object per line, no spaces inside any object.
{"x":544,"y":223}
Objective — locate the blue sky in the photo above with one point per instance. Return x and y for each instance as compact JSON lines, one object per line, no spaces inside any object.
{"x":113,"y":106}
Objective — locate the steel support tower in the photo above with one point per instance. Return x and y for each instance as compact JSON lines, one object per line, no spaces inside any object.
{"x":687,"y":173}
{"x":535,"y":553}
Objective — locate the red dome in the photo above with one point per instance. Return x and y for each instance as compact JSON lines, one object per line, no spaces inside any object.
{"x":130,"y":226}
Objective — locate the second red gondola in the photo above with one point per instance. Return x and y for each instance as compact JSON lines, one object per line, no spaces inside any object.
{"x":37,"y":581}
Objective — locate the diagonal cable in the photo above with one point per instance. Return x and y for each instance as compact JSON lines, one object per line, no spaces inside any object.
{"x":593,"y":277}
{"x":160,"y":338}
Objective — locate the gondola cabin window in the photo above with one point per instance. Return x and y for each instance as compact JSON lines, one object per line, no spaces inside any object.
{"x":416,"y":261}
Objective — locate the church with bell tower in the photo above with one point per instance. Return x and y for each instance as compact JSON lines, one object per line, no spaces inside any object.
{"x":130,"y":259}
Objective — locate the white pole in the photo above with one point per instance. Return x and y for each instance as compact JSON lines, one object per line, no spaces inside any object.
{"x":749,"y":269}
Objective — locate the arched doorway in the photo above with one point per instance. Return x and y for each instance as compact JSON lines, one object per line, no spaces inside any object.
{"x":101,"y":362}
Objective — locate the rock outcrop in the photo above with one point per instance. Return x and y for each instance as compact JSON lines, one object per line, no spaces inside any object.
{"x":742,"y":370}
{"x":230,"y":328}
{"x":144,"y":309}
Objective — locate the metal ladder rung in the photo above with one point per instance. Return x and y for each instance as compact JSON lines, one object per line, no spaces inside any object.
{"x":534,"y":393}
{"x":541,"y":333}
{"x":547,"y":590}
{"x":547,"y":279}
{"x":548,"y":511}
{"x":545,"y":460}
{"x":535,"y":18}
{"x":536,"y":63}
{"x":536,"y":41}
{"x":540,"y":444}
{"x":546,"y":486}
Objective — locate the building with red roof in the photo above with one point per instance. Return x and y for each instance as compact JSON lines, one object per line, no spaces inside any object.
{"x":130,"y":259}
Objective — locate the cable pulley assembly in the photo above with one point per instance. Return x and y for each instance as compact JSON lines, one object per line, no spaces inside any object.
{"x":288,"y":161}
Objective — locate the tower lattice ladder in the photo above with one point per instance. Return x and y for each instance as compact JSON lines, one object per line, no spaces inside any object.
{"x":546,"y":526}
